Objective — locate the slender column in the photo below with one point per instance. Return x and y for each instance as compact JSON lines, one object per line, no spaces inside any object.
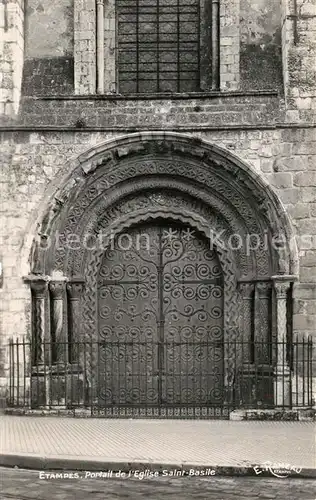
{"x":58,"y":333}
{"x":262,"y":322}
{"x":247,"y":290}
{"x":74,"y":289}
{"x":281,"y":289}
{"x":100,"y":46}
{"x":282,"y":372}
{"x":39,"y":293}
{"x":215,"y":45}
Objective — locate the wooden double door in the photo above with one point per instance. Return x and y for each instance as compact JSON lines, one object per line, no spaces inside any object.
{"x":160,"y":320}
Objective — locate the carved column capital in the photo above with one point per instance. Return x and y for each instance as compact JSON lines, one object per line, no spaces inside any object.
{"x":263,"y":289}
{"x":281,"y":289}
{"x":282,"y":284}
{"x":38,"y":286}
{"x":75,"y":288}
{"x":56,"y":289}
{"x":246,"y":290}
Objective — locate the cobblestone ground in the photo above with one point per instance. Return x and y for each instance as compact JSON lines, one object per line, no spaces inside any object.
{"x":26,"y":485}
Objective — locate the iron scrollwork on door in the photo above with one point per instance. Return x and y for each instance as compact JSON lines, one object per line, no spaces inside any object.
{"x":160,"y":316}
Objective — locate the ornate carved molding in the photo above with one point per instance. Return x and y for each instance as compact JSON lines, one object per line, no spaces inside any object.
{"x":58,"y":333}
{"x":282,"y":285}
{"x":39,"y":287}
{"x":221,"y":217}
{"x":75,"y":288}
{"x":189,"y":148}
{"x":132,"y":162}
{"x":247,"y":294}
{"x":262,"y":332}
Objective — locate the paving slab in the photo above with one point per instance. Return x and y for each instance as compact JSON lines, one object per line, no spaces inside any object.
{"x":119,"y":444}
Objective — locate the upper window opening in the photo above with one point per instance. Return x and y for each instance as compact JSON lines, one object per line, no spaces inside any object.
{"x":159,"y":46}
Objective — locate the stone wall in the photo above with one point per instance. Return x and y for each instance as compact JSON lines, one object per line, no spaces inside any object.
{"x":260,"y":44}
{"x":110,"y":70}
{"x":49,"y":32}
{"x":298,"y":49}
{"x":11,"y":55}
{"x":152,"y":112}
{"x":85,"y":46}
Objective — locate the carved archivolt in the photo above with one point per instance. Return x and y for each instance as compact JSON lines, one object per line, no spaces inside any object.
{"x":99,"y":196}
{"x":221,"y":221}
{"x":102,"y":172}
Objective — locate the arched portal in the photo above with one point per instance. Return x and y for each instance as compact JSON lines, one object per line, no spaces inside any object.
{"x":162,"y":181}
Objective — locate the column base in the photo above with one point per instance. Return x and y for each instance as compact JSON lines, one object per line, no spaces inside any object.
{"x":254,"y":386}
{"x":57,"y":386}
{"x":39,"y":386}
{"x":282,"y":386}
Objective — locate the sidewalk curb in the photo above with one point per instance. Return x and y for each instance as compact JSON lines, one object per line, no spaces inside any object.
{"x":53,"y":463}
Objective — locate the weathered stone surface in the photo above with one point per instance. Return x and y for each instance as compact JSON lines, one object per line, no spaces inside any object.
{"x":309,"y":195}
{"x":304,"y":322}
{"x":307,"y":179}
{"x":49,"y":29}
{"x":260,"y":44}
{"x":11,"y":56}
{"x":309,"y":259}
{"x":145,"y":113}
{"x":281,"y":180}
{"x":299,"y":211}
{"x":307,"y":291}
{"x":308,"y":226}
{"x":308,"y":274}
{"x":290,"y":195}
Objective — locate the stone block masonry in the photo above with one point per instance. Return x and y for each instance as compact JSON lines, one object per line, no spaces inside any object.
{"x":298,"y":48}
{"x":150,"y":113}
{"x":11,"y":55}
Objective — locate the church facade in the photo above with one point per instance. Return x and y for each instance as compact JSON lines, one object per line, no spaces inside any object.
{"x":158,"y":246}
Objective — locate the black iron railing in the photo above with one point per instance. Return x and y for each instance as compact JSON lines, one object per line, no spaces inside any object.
{"x":199,"y":379}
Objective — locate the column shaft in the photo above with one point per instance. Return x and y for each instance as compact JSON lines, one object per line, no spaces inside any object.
{"x":39,"y":293}
{"x":58,"y":331}
{"x":74,"y":289}
{"x":282,"y":386}
{"x":262,"y":323}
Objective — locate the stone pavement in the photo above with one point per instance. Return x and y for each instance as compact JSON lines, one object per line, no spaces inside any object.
{"x":27,"y":485}
{"x":100,"y":444}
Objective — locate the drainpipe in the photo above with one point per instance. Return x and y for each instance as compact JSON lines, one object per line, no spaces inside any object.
{"x":100,"y":46}
{"x":295,"y":32}
{"x":215,"y":45}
